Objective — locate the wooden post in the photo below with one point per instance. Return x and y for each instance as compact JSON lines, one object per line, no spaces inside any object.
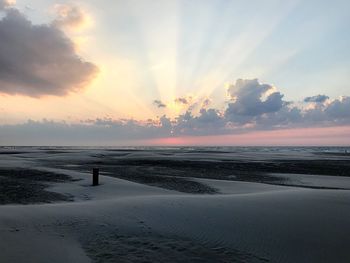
{"x":95,"y":173}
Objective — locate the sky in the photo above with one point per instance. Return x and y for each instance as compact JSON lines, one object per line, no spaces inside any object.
{"x":174,"y":72}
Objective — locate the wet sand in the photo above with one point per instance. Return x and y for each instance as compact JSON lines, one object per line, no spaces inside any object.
{"x":28,"y":186}
{"x":174,"y":206}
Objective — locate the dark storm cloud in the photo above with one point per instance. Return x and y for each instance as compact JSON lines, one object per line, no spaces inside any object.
{"x":159,"y":104}
{"x":38,"y":60}
{"x":317,"y":99}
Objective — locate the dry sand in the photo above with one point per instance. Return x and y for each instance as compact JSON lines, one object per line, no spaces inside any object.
{"x":125,"y":221}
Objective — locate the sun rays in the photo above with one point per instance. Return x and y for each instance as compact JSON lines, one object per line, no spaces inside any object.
{"x":184,"y":47}
{"x":169,"y":49}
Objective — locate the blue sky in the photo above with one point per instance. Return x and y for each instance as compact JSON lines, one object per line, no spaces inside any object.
{"x":311,"y":34}
{"x":299,"y":46}
{"x":128,"y":54}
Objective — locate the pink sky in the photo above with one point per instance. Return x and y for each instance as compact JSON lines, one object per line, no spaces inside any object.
{"x":328,"y":136}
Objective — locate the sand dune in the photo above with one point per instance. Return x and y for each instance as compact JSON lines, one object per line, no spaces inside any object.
{"x":123,"y":221}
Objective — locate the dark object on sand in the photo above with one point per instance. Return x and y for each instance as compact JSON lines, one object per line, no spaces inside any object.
{"x":95,"y":173}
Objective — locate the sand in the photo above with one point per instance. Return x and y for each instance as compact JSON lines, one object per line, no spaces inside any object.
{"x":128,"y":221}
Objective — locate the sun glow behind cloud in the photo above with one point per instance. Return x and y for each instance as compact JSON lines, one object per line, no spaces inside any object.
{"x":177,"y":60}
{"x":171,"y":54}
{"x":181,"y":54}
{"x":173,"y":60}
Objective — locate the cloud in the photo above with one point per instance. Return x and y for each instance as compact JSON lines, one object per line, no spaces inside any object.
{"x":267,"y":111}
{"x":339,"y":109}
{"x":134,"y":133}
{"x":37,"y":60}
{"x":250,"y":98}
{"x":253,"y":107}
{"x":181,"y":100}
{"x":317,"y":99}
{"x":159,"y":104}
{"x":70,"y":16}
{"x":209,"y":121}
{"x":206,"y":103}
{"x":89,"y":132}
{"x":165,"y":123}
{"x":285,"y":117}
{"x":6,"y":4}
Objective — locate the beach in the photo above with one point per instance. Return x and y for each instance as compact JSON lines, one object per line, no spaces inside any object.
{"x":175,"y":204}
